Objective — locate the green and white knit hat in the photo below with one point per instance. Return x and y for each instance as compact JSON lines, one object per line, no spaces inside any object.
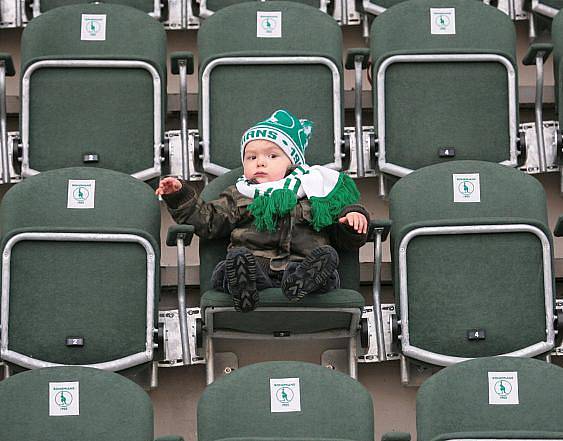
{"x":283,"y":129}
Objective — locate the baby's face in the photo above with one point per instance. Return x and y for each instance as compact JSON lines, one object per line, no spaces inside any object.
{"x":264,"y":161}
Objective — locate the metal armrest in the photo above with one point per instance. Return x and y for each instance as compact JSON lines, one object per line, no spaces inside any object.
{"x":378,"y":231}
{"x":6,"y":60}
{"x":181,"y":236}
{"x":537,"y":54}
{"x":358,"y":59}
{"x":558,"y":230}
{"x":381,"y":225}
{"x":182,"y":63}
{"x":537,"y":49}
{"x":177,"y":57}
{"x":175,"y":232}
{"x":354,"y":54}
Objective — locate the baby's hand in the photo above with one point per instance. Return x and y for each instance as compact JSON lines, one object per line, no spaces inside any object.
{"x":168,"y":185}
{"x":356,"y":220}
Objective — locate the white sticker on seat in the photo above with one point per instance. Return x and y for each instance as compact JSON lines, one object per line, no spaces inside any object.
{"x":81,"y":193}
{"x":285,"y":395}
{"x":467,"y":187}
{"x":64,"y":399}
{"x":268,"y":24}
{"x":442,"y":21}
{"x":503,"y":388}
{"x":93,"y":27}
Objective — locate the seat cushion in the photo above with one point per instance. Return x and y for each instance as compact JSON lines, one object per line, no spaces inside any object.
{"x":297,"y":322}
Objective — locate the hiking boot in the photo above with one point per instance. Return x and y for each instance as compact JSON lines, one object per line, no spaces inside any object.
{"x":311,"y":274}
{"x":240,"y":267}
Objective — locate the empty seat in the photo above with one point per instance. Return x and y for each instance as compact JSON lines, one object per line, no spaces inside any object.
{"x":75,"y":404}
{"x":445,"y":85}
{"x":80,"y":275}
{"x":472,"y":260}
{"x":285,"y":401}
{"x":256,"y":57}
{"x":492,"y":398}
{"x":93,"y":88}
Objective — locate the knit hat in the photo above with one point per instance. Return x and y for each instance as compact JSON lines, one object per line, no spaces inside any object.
{"x":283,"y":129}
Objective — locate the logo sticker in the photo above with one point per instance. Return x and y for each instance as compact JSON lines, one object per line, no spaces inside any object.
{"x":285,"y":395}
{"x":442,"y":21}
{"x":268,"y":24}
{"x":503,"y":388}
{"x":467,"y":187}
{"x":93,"y":27}
{"x":64,"y":399}
{"x":81,"y":193}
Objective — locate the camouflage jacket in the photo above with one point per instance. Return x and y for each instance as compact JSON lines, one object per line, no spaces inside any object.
{"x":228,"y":215}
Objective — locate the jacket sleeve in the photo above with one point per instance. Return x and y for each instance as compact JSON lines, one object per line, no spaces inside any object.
{"x":213,"y":219}
{"x":344,"y":236}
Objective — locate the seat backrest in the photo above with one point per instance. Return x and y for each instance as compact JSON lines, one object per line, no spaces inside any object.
{"x":472,"y":279}
{"x":445,"y":84}
{"x":74,"y":403}
{"x":236,"y":91}
{"x":81,"y":261}
{"x":492,"y":398}
{"x":284,"y":401}
{"x":112,"y":109}
{"x":212,"y":251}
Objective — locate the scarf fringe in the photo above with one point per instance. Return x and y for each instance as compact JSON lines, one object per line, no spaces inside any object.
{"x":266,"y":209}
{"x":326,"y":209}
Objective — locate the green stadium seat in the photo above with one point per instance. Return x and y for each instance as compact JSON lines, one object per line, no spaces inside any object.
{"x":285,"y":401}
{"x":332,"y":315}
{"x":75,"y":404}
{"x":80,"y":272}
{"x":93,"y":89}
{"x":472,"y":263}
{"x":299,"y":47}
{"x":446,"y":88}
{"x":492,"y":398}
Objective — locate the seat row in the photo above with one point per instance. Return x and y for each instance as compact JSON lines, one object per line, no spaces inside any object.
{"x":189,"y":14}
{"x":472,"y":258}
{"x":490,"y":398}
{"x":111,"y":111}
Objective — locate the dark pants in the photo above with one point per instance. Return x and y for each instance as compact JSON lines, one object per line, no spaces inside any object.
{"x":265,"y":276}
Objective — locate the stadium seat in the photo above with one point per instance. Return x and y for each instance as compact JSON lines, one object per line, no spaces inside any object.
{"x":492,"y":398}
{"x":80,"y":271}
{"x":75,"y":404}
{"x":446,"y":88}
{"x":110,"y":112}
{"x":285,"y":401}
{"x":472,"y":260}
{"x":332,"y":315}
{"x":241,"y":49}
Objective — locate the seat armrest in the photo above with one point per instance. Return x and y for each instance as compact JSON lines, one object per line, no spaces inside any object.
{"x":396,"y":436}
{"x":558,"y":230}
{"x":8,"y":63}
{"x":379,"y":224}
{"x":544,"y":49}
{"x":175,"y":57}
{"x":355,"y":53}
{"x":176,"y":232}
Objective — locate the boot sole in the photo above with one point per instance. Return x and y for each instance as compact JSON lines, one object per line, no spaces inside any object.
{"x":241,"y":277}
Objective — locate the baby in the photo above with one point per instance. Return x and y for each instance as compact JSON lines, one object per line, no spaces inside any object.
{"x":282,"y":216}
